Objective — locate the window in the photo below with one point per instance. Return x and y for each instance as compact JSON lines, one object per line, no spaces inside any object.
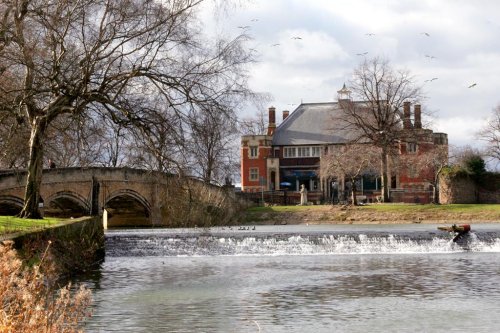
{"x":289,"y":152}
{"x":303,"y":152}
{"x":253,"y":152}
{"x":254,"y":174}
{"x":411,"y":147}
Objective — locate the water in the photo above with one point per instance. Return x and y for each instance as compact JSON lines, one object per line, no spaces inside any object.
{"x":298,"y":279}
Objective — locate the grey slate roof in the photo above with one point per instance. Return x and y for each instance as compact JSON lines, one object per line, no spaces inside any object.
{"x":311,"y":124}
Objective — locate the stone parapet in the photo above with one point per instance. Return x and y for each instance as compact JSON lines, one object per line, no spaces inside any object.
{"x":75,"y":246}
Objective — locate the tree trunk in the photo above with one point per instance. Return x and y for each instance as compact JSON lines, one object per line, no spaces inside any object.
{"x":385,"y":180}
{"x":353,"y":193}
{"x":435,"y":195}
{"x":435,"y":192}
{"x":435,"y":187}
{"x":35,"y":167}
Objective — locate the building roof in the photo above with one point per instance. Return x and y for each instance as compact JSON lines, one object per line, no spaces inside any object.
{"x":312,"y":124}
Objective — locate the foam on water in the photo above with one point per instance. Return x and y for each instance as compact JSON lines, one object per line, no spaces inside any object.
{"x":274,"y":244}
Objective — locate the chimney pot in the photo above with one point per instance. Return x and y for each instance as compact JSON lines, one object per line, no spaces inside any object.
{"x":406,"y":115}
{"x":285,"y":114}
{"x":418,"y":116}
{"x":272,"y":115}
{"x":272,"y":121}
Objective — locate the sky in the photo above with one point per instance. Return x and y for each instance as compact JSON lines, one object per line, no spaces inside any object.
{"x":321,"y":42}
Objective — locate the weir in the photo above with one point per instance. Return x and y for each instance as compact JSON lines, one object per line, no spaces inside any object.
{"x":297,"y":278}
{"x":297,"y":240}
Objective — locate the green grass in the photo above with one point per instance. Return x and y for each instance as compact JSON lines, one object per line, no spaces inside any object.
{"x":280,"y":209}
{"x":455,"y":208}
{"x":10,"y":224}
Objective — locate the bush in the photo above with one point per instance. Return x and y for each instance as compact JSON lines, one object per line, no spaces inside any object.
{"x":192,"y":203}
{"x":31,"y":302}
{"x":475,"y":166}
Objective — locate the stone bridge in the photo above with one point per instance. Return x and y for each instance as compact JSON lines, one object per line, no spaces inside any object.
{"x":124,"y":196}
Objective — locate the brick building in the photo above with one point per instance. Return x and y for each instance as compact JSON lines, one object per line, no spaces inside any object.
{"x":289,"y":155}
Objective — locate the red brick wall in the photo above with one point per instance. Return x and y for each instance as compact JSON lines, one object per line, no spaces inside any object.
{"x":247,"y":163}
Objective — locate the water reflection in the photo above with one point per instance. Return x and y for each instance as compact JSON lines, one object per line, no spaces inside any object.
{"x":297,"y":293}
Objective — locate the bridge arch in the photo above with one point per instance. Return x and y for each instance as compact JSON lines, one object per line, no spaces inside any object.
{"x":127,"y":207}
{"x":10,"y":205}
{"x":66,"y":204}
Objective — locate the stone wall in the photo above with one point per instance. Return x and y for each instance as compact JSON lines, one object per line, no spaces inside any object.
{"x":75,"y":246}
{"x":465,"y":190}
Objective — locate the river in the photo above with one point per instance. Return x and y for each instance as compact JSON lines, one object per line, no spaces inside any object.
{"x":354,"y":278}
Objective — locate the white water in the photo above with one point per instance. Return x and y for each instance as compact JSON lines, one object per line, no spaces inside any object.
{"x":188,"y":242}
{"x":298,"y":279}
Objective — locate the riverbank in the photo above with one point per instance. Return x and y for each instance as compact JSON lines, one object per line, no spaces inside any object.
{"x":12,"y":224}
{"x":74,"y":245}
{"x":372,"y":214}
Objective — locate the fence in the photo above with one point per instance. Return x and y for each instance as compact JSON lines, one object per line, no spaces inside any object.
{"x":280,"y":197}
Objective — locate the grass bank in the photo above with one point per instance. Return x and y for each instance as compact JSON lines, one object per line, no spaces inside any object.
{"x":11,"y":224}
{"x":377,"y":213}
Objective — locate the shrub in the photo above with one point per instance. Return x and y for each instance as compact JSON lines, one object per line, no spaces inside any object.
{"x":31,"y":302}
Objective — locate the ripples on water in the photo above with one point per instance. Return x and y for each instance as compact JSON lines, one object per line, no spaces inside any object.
{"x":373,"y":281}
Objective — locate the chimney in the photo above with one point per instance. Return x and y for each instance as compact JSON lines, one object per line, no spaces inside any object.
{"x":285,"y":114}
{"x":406,"y":115}
{"x":272,"y":121}
{"x":417,"y":122}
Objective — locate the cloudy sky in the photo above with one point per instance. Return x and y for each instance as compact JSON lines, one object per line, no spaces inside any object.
{"x":455,"y":41}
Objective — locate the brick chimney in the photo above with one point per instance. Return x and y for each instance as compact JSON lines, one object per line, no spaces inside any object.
{"x":417,"y":122}
{"x":285,"y":114}
{"x":272,"y":121}
{"x":406,"y":115}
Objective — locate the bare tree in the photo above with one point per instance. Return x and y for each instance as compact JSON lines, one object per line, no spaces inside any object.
{"x":256,"y":125}
{"x":212,"y":135}
{"x":469,"y":160}
{"x":69,"y":55}
{"x":430,"y":164}
{"x":490,"y":133}
{"x":350,"y":161}
{"x":160,"y":146}
{"x":13,"y":144}
{"x":13,"y":132}
{"x":377,"y":117}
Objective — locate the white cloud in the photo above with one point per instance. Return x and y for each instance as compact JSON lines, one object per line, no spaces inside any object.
{"x":461,"y":130}
{"x":463,"y":39}
{"x":304,"y":51}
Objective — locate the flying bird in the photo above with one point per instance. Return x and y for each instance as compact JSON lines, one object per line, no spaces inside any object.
{"x":472,"y":85}
{"x":430,"y":80}
{"x":244,"y":27}
{"x":425,"y":33}
{"x":430,"y":56}
{"x":254,"y":20}
{"x":277,"y":44}
{"x":296,"y":37}
{"x":362,"y":54}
